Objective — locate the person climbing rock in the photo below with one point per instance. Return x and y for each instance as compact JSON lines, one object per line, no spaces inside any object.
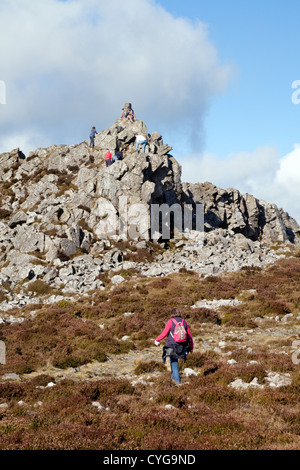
{"x":108,"y":158}
{"x":178,"y":344}
{"x":140,"y":140}
{"x":92,"y":136}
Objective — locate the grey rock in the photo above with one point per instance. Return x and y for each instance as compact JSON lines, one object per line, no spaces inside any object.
{"x":68,"y":247}
{"x":28,"y":239}
{"x":276,"y":380}
{"x":164,"y":150}
{"x":18,"y":219}
{"x":65,"y":272}
{"x":11,"y":376}
{"x":51,"y":275}
{"x":76,"y":235}
{"x":287,"y":317}
{"x":157,"y":138}
{"x":255,"y":219}
{"x":215,"y":304}
{"x":117,"y":279}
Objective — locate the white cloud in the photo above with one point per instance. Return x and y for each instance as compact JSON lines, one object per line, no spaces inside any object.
{"x":25,"y":141}
{"x":70,"y":65}
{"x":262,"y":173}
{"x":287,"y":181}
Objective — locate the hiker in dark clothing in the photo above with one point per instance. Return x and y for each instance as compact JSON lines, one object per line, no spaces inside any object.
{"x":117,"y":156}
{"x":175,"y":347}
{"x":92,"y":136}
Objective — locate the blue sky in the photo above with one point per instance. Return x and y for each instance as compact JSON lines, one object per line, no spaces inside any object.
{"x":259,"y":38}
{"x":213,"y":76}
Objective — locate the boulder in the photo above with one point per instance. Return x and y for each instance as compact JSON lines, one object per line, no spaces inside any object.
{"x":18,"y":219}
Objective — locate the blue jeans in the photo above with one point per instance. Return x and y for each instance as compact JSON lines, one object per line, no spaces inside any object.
{"x":141,"y":143}
{"x":92,"y":141}
{"x":175,"y":369}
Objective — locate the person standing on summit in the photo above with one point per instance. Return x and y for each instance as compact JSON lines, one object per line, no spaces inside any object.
{"x":92,"y":136}
{"x":179,"y":341}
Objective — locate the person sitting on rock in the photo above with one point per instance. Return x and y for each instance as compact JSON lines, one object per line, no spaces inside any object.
{"x":108,"y":158}
{"x":130,"y":115}
{"x":117,"y":156}
{"x":140,"y":140}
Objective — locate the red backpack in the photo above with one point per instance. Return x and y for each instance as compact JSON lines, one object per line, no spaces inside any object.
{"x":180,"y":333}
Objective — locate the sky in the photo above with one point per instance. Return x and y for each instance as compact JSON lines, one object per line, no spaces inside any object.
{"x":214,"y":77}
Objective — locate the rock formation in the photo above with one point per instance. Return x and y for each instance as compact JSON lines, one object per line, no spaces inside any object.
{"x":244,"y":214}
{"x":54,"y":205}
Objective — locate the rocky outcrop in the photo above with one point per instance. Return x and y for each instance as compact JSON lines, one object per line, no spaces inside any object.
{"x":55,"y":190}
{"x":243,"y":214}
{"x":56,"y":208}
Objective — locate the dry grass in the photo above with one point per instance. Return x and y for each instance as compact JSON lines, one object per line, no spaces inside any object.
{"x":57,"y":336}
{"x":205,"y":413}
{"x":39,"y":287}
{"x":4,"y":213}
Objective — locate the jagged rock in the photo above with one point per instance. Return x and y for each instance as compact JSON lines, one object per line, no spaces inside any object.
{"x":9,"y":160}
{"x":18,"y":219}
{"x":63,"y":200}
{"x":76,"y":235}
{"x":68,"y":247}
{"x":51,"y":275}
{"x":28,"y":239}
{"x":156,"y":137}
{"x":228,"y":209}
{"x":85,"y":179}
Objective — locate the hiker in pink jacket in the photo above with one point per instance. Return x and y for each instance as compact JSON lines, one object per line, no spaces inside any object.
{"x":179,"y":341}
{"x":108,"y":158}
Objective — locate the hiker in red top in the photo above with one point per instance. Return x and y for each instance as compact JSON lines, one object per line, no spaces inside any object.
{"x":179,"y":341}
{"x":108,"y":158}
